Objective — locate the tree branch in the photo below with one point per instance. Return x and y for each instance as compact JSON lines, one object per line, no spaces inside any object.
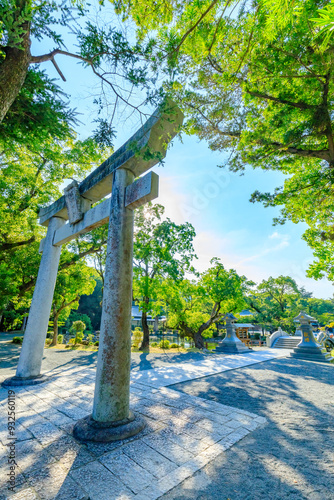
{"x":309,"y":153}
{"x":299,"y":105}
{"x":66,"y":304}
{"x":50,"y":56}
{"x":9,"y":246}
{"x":322,"y":154}
{"x":58,"y":69}
{"x":194,"y":26}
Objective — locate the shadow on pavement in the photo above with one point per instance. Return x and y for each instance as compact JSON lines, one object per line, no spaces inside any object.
{"x":292,"y":455}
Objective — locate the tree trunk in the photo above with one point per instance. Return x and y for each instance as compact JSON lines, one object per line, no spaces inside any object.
{"x":196,"y":336}
{"x":198,"y":339}
{"x":55,"y":330}
{"x":146,"y":337}
{"x":13,"y":72}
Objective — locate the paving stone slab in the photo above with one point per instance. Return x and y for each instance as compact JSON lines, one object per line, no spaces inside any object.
{"x":53,"y":483}
{"x":150,"y":493}
{"x":183,"y":434}
{"x":168,"y":448}
{"x":46,"y":432}
{"x":70,"y":453}
{"x":24,"y":494}
{"x":99,"y":483}
{"x":148,"y":458}
{"x":131,"y":474}
{"x":32,"y":455}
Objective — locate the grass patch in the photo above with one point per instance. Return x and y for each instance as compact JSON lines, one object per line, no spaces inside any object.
{"x":159,"y":350}
{"x":77,"y":347}
{"x":151,"y":350}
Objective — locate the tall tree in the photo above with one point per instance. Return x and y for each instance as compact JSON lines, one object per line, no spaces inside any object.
{"x":31,"y":176}
{"x":275,"y":302}
{"x":194,"y":307}
{"x":162,"y":249}
{"x":256,"y":79}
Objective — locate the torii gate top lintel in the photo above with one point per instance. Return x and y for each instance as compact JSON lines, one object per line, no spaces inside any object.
{"x":152,"y":137}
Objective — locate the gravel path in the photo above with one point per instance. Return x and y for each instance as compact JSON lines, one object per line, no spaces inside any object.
{"x":290,"y":457}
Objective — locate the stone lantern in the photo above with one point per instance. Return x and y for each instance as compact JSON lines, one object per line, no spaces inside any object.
{"x":231,"y":343}
{"x":309,"y":348}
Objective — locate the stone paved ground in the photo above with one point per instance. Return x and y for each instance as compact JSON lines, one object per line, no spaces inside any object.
{"x":292,"y":457}
{"x":183,"y":433}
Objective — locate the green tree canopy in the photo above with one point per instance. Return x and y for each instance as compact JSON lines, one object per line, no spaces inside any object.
{"x":195,"y":306}
{"x":118,"y":64}
{"x":72,"y":282}
{"x":276,"y":302}
{"x":256,"y":79}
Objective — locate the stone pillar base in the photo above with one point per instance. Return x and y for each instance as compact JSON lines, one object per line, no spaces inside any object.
{"x":20,"y":381}
{"x":312,"y":353}
{"x":232,"y":348}
{"x":88,"y":429}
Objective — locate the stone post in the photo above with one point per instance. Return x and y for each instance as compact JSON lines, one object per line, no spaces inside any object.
{"x":231,"y":343}
{"x":111,"y":418}
{"x":308,"y":348}
{"x":29,"y":367}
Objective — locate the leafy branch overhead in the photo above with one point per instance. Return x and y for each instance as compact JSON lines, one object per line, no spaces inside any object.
{"x":106,"y":51}
{"x":255,"y":80}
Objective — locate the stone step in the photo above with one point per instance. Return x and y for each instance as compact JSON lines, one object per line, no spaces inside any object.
{"x":287,"y":342}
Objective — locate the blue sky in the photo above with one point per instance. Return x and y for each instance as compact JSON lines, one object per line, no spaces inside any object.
{"x":214,"y":200}
{"x":228,"y":226}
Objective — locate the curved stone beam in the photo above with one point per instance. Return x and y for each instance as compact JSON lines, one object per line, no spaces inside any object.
{"x":141,"y":152}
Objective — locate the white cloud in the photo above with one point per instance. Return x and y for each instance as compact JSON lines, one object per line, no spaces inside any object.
{"x":283,"y":242}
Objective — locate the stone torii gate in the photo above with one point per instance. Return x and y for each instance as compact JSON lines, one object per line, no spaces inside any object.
{"x":111,"y":418}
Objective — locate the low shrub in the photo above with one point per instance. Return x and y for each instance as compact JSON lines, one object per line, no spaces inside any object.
{"x":96,"y":343}
{"x":164,"y":344}
{"x":182,"y":344}
{"x":137,"y":337}
{"x":90,"y":343}
{"x":79,"y":337}
{"x":48,"y":341}
{"x":84,"y":342}
{"x":71,"y":341}
{"x":90,"y":337}
{"x":60,"y":339}
{"x":174,"y":346}
{"x":17,"y":340}
{"x":154,"y":344}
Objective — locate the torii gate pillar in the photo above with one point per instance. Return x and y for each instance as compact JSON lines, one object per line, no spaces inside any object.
{"x":28,"y":370}
{"x":111,"y":418}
